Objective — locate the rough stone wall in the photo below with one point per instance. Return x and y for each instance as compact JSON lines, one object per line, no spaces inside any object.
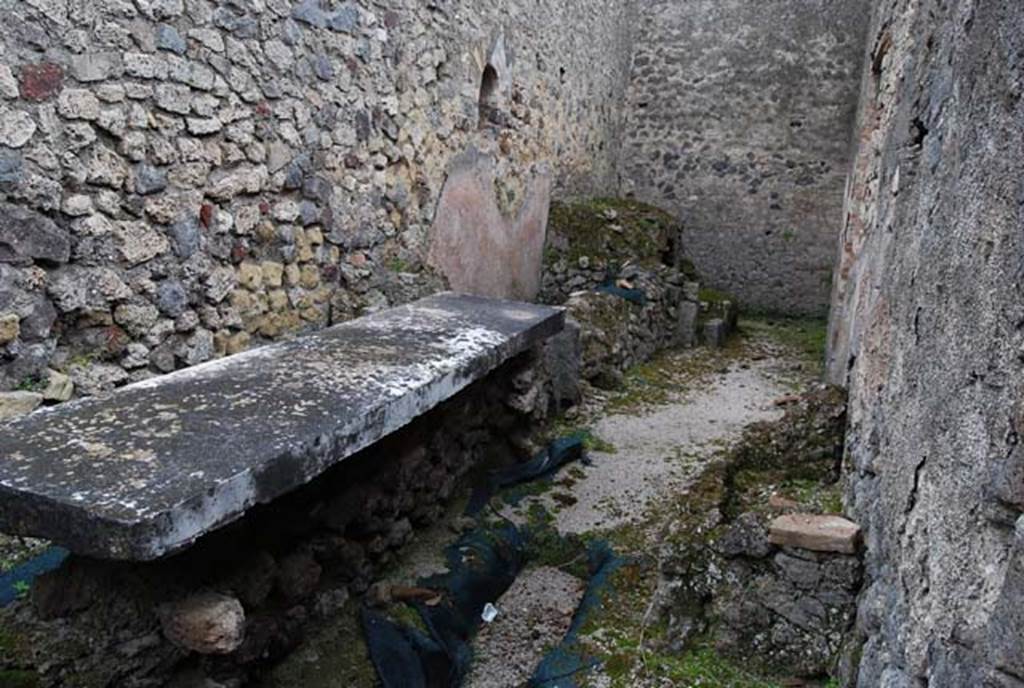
{"x":180,"y":179}
{"x":927,"y":332}
{"x":740,"y":116}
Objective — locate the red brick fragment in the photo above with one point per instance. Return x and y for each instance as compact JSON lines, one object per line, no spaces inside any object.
{"x":41,"y":81}
{"x":206,"y":214}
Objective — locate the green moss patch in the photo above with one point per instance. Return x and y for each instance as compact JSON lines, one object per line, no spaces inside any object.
{"x":671,"y":374}
{"x":806,"y":337}
{"x":18,"y":679}
{"x":611,"y":230}
{"x":336,"y":655}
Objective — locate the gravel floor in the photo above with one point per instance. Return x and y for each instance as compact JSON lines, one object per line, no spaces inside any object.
{"x":533,"y":615}
{"x":660,"y":451}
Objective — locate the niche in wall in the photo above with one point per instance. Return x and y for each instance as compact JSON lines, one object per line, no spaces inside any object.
{"x":488,"y":100}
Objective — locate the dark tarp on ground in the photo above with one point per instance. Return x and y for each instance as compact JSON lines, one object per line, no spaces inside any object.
{"x":482,"y":565}
{"x":565,"y":664}
{"x":544,"y":464}
{"x":13,"y":582}
{"x":637,"y":296}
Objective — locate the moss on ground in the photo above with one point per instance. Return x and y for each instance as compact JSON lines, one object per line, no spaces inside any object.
{"x":793,"y":458}
{"x":807,"y":337}
{"x":796,"y":457}
{"x":714,"y":296}
{"x":18,"y":679}
{"x":673,"y":373}
{"x":337,"y":657}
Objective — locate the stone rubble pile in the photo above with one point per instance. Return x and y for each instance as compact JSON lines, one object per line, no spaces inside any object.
{"x":761,"y":577}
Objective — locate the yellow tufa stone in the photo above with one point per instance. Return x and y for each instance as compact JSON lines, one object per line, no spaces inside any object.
{"x":303,"y":246}
{"x":292,"y":275}
{"x":242,"y":301}
{"x":313,"y":314}
{"x":250,"y":276}
{"x":278,"y":300}
{"x":237,"y":343}
{"x":266,"y":232}
{"x":10,"y":328}
{"x":59,"y":387}
{"x":220,"y":342}
{"x":310,"y":277}
{"x":272,"y":273}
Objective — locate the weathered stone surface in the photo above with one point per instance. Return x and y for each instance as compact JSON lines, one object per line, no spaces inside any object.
{"x":137,"y":242}
{"x":77,"y":288}
{"x":26,"y":235}
{"x":315,"y":134}
{"x":715,"y":332}
{"x":298,"y":574}
{"x":16,"y":404}
{"x":16,"y":128}
{"x":207,"y":623}
{"x":10,"y":327}
{"x":58,"y":387}
{"x":91,"y":67}
{"x":138,"y":479}
{"x":168,"y":38}
{"x":815,"y":532}
{"x":41,"y":81}
{"x":149,"y":179}
{"x":926,"y":332}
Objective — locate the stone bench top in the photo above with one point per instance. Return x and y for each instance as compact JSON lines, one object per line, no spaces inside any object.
{"x":147,"y":470}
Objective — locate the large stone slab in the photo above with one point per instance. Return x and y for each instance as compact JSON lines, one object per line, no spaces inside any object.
{"x":149,"y":469}
{"x":816,"y":533}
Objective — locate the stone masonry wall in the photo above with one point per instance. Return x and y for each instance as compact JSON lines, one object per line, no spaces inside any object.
{"x":740,"y":116}
{"x":927,"y":332}
{"x":182,"y":179}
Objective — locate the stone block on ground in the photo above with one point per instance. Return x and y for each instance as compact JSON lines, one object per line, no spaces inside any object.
{"x":716,"y":332}
{"x":15,"y":404}
{"x":207,"y":623}
{"x":687,"y":325}
{"x":817,"y":533}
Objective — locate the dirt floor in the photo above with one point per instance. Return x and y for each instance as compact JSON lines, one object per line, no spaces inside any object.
{"x":648,"y":442}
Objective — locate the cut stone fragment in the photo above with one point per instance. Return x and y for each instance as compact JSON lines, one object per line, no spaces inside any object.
{"x":816,"y":533}
{"x":17,"y":404}
{"x":715,"y":333}
{"x":149,"y":469}
{"x":207,"y":623}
